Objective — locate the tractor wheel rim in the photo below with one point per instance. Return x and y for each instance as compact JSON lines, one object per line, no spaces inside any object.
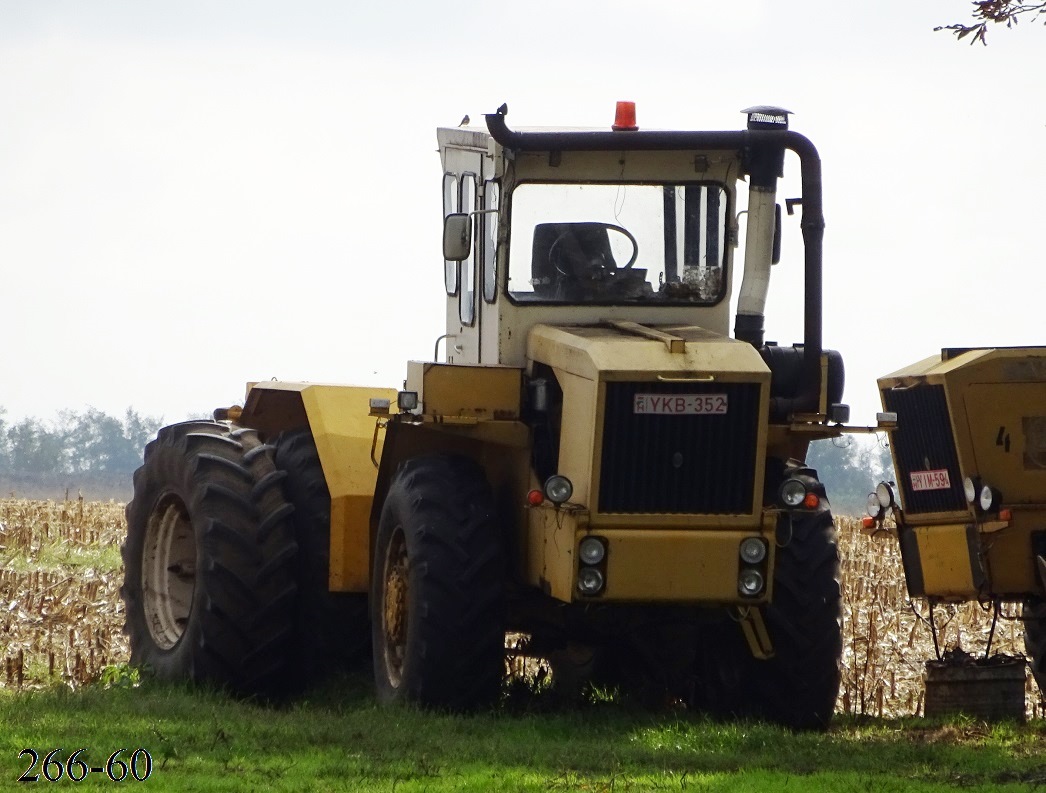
{"x":168,"y":571}
{"x":395,"y":610}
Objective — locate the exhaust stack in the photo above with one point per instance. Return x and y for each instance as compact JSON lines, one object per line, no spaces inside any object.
{"x":766,"y":165}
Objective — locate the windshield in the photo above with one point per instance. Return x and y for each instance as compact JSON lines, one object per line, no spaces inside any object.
{"x":618,"y":243}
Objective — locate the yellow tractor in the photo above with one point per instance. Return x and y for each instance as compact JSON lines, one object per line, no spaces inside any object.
{"x":969,"y":450}
{"x":597,"y":463}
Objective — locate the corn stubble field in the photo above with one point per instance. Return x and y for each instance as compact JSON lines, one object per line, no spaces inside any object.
{"x":61,"y":617}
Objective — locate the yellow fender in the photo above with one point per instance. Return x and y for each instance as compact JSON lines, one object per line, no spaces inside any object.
{"x":339,"y":418}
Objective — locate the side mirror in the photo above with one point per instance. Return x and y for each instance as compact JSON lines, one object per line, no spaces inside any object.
{"x":457,"y":237}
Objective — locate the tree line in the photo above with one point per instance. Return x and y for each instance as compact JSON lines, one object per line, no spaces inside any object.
{"x":81,"y":446}
{"x":77,"y":442}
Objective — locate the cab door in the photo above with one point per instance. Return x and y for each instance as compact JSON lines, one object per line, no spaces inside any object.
{"x":463,"y":182}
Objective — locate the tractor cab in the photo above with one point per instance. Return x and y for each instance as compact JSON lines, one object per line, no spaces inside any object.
{"x":598,"y":228}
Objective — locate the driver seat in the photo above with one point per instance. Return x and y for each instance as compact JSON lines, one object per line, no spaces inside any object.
{"x":579,"y":243}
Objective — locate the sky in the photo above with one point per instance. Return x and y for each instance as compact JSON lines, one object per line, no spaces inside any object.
{"x":195,"y":195}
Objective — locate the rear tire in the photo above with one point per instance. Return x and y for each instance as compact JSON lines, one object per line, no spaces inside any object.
{"x":332,"y":628}
{"x":209,"y":561}
{"x":437,"y":588}
{"x":799,"y":685}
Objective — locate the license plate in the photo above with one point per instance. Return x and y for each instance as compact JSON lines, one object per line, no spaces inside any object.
{"x":680,"y":404}
{"x":931,"y":480}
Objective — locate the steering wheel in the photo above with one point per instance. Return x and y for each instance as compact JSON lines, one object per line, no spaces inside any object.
{"x":556,"y":254}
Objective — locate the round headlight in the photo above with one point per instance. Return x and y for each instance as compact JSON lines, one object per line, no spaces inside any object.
{"x":558,"y":489}
{"x":591,"y":550}
{"x":753,"y":550}
{"x":750,"y":583}
{"x":792,"y":492}
{"x":969,"y":489}
{"x":874,"y":505}
{"x":989,"y":498}
{"x":589,"y":581}
{"x":885,"y":494}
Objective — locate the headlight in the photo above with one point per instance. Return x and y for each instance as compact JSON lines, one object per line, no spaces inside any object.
{"x":558,"y":489}
{"x":990,"y":498}
{"x":407,"y":401}
{"x":969,"y":489}
{"x":874,"y":506}
{"x":792,"y":492}
{"x":591,"y":550}
{"x":753,"y":550}
{"x":750,"y":583}
{"x":884,"y":493}
{"x":589,"y":581}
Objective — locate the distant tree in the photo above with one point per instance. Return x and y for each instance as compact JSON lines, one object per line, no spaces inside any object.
{"x":138,"y":431}
{"x":5,"y":449}
{"x":34,"y":448}
{"x":99,"y":443}
{"x":79,"y":442}
{"x":987,"y":12}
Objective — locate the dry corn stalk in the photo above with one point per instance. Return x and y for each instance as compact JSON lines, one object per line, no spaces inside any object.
{"x":64,"y":619}
{"x":69,"y":620}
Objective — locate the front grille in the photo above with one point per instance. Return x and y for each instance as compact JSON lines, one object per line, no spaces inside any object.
{"x":699,"y":464}
{"x":923,"y":441}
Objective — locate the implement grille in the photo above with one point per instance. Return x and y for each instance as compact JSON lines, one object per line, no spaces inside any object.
{"x":923,"y":441}
{"x":699,"y":464}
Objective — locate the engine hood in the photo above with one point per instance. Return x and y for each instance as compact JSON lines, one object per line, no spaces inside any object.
{"x":627,"y":350}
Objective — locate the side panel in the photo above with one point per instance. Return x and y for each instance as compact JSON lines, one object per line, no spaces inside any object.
{"x":454,"y":390}
{"x":577,"y":447}
{"x":1008,"y":430}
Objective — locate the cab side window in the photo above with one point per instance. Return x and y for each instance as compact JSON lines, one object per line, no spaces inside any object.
{"x":467,"y":300}
{"x":490,"y":240}
{"x":450,"y":205}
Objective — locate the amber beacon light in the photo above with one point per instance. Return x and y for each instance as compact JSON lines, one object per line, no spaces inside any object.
{"x":625,"y":117}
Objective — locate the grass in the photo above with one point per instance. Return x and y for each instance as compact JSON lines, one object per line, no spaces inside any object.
{"x":337,"y":738}
{"x":63,"y":555}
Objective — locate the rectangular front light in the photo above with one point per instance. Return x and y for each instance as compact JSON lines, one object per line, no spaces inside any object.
{"x":379,"y":407}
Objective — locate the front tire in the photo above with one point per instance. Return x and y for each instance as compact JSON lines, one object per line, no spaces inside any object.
{"x":209,"y":561}
{"x":437,"y":588}
{"x":799,"y":685}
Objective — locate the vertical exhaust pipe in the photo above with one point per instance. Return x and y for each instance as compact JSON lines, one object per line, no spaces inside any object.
{"x":765,"y":166}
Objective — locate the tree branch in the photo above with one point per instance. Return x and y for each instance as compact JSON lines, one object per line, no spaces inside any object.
{"x":993,"y":11}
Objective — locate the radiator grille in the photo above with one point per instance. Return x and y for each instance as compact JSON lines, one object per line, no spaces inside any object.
{"x":700,"y":464}
{"x":923,"y":441}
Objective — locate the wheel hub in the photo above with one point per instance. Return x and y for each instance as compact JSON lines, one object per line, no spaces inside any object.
{"x":396,"y":611}
{"x":168,"y":571}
